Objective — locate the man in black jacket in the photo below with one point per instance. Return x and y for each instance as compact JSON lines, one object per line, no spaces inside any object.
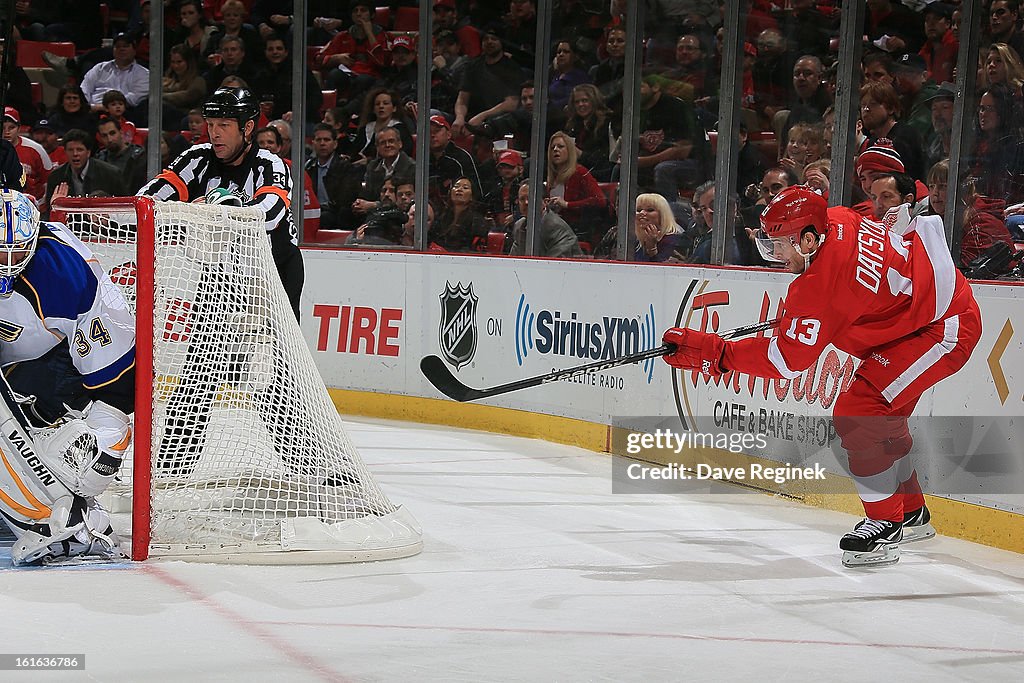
{"x":83,"y":176}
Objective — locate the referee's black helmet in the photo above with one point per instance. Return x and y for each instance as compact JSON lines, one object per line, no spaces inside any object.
{"x":232,"y":103}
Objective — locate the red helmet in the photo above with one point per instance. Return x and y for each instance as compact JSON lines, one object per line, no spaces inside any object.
{"x":786,"y":216}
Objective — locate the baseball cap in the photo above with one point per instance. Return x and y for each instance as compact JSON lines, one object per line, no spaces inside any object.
{"x":450,"y":4}
{"x":439,"y":120}
{"x":12,"y":114}
{"x":43,"y":124}
{"x":946,"y":91}
{"x":404,"y":42}
{"x":510,"y":157}
{"x":911,"y":60}
{"x":124,"y":38}
{"x":943,"y":9}
{"x":880,"y":157}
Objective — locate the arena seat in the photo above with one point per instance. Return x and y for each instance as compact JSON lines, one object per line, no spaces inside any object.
{"x":141,"y":135}
{"x":332,"y":237}
{"x":611,"y":192}
{"x":496,"y":243}
{"x":382,"y":17}
{"x":330,"y":100}
{"x":407,"y":19}
{"x":30,"y":52}
{"x":37,"y":93}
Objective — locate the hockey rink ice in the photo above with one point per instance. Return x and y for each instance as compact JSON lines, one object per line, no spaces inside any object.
{"x":533,"y":571}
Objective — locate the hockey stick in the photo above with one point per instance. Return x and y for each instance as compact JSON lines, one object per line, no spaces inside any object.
{"x":438,"y":374}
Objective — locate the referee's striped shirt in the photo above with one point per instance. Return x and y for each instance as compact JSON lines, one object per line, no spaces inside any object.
{"x":262,"y":177}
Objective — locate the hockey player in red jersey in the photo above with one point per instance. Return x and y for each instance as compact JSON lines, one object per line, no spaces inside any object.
{"x":885,"y":292}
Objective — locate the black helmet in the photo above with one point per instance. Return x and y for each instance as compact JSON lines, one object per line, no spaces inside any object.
{"x":232,"y":103}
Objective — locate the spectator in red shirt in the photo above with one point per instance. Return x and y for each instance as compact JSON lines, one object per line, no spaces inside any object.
{"x":353,"y":60}
{"x":35,"y":167}
{"x":45,"y":134}
{"x":941,"y":47}
{"x":573,"y":192}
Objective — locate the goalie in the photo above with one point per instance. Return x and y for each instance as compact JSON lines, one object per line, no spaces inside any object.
{"x":67,"y":346}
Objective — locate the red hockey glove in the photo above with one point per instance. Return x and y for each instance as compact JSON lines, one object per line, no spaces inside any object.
{"x":695,"y":350}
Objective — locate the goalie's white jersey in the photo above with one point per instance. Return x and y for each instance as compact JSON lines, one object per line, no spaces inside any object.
{"x":65,"y":294}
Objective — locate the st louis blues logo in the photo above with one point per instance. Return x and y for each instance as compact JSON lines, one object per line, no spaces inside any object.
{"x":9,"y":332}
{"x":458,"y":330}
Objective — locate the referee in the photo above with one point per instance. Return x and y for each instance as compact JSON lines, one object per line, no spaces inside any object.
{"x":232,"y":161}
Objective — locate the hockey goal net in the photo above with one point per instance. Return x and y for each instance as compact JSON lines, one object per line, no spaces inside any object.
{"x":239,"y":453}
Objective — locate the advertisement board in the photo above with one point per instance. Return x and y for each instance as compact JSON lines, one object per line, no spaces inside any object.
{"x":370,"y":317}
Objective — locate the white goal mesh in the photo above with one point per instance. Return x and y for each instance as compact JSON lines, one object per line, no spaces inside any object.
{"x":246,"y":453}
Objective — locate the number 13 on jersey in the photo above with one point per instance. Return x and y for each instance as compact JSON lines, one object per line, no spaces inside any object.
{"x":804,"y":330}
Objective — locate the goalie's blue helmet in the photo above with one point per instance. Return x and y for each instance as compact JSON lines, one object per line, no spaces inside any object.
{"x":19,"y":234}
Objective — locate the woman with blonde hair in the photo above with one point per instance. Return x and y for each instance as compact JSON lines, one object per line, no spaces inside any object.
{"x":1004,"y":65}
{"x":573,"y":192}
{"x":658,"y":236}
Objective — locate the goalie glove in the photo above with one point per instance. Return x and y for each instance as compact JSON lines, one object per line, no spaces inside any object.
{"x":695,"y":350}
{"x":113,"y":431}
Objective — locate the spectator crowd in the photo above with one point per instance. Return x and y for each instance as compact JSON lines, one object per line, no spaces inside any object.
{"x":87,"y":134}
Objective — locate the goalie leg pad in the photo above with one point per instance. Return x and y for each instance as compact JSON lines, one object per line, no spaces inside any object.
{"x":77,"y":528}
{"x":36,"y":500}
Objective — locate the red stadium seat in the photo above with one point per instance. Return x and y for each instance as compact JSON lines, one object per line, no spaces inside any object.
{"x":407,"y":19}
{"x":611,"y":195}
{"x":37,"y":93}
{"x":30,"y":53}
{"x":330,"y":100}
{"x":105,"y":18}
{"x":382,"y":17}
{"x":495,"y":243}
{"x":333,"y":237}
{"x":141,"y":135}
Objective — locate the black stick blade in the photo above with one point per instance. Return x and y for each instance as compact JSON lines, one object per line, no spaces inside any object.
{"x":438,"y":374}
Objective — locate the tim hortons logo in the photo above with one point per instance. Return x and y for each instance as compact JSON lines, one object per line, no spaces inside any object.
{"x":457,"y":332}
{"x":820,"y":384}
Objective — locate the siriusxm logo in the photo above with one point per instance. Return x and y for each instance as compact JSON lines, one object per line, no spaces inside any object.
{"x":564,"y":334}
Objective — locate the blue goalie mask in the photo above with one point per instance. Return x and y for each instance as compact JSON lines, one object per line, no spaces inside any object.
{"x":19,"y":233}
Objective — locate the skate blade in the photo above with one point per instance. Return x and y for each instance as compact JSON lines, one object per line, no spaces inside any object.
{"x":882,"y":557}
{"x":912,"y":534}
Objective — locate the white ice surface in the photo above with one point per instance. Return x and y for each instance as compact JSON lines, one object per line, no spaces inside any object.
{"x":533,"y":571}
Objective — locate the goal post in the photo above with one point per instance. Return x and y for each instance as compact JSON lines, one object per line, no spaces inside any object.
{"x":239,"y":452}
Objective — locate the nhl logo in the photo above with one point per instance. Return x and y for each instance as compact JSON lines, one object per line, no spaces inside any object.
{"x":458,"y":332}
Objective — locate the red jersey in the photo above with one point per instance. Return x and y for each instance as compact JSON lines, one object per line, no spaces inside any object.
{"x":866,"y":286}
{"x":58,"y":156}
{"x":369,"y":58}
{"x":35,"y":172}
{"x":310,"y":207}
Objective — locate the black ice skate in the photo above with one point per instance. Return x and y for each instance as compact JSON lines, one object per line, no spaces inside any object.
{"x":872,"y":543}
{"x":917,"y":525}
